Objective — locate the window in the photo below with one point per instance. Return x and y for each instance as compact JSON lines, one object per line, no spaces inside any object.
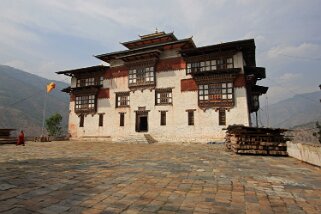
{"x":203,"y":92}
{"x":81,"y":120}
{"x":122,"y":119}
{"x":101,"y":80}
{"x":101,"y":120}
{"x":132,"y":78}
{"x":190,"y":117}
{"x":87,"y":103}
{"x":224,"y":63}
{"x":221,"y":117}
{"x":85,"y":82}
{"x":215,"y":92}
{"x":163,"y":118}
{"x":209,"y":65}
{"x":122,"y":99}
{"x":163,"y":96}
{"x":141,"y":76}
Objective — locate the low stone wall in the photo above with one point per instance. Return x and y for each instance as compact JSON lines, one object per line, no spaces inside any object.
{"x":305,"y":152}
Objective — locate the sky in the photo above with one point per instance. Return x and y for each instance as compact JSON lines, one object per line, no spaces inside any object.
{"x":42,"y":37}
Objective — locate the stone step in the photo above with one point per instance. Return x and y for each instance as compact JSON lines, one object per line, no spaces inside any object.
{"x":131,"y":139}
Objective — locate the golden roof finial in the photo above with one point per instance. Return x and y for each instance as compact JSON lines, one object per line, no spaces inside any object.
{"x":156,"y":30}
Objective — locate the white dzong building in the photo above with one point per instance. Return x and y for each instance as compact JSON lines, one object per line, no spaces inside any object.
{"x":166,"y":89}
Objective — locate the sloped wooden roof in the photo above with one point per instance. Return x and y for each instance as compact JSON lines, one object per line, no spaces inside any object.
{"x":96,"y":68}
{"x":183,"y":43}
{"x":150,"y":39}
{"x":246,"y":46}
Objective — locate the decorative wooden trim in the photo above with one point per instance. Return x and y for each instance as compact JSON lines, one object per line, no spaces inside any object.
{"x":115,"y":72}
{"x":160,"y":66}
{"x":170,"y":64}
{"x":122,"y":93}
{"x":188,"y":110}
{"x":188,"y":85}
{"x":169,"y":89}
{"x":211,"y":56}
{"x":208,"y":79}
{"x":142,"y":63}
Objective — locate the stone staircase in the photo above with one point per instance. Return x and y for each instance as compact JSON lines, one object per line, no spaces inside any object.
{"x":131,"y":139}
{"x":150,"y":139}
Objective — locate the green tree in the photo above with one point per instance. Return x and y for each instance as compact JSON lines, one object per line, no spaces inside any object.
{"x":53,"y":125}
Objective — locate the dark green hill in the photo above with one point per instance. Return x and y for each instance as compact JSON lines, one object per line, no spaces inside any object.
{"x":22,"y":99}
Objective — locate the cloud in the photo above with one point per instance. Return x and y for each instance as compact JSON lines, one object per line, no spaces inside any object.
{"x":307,"y":50}
{"x":289,"y":77}
{"x":45,"y":36}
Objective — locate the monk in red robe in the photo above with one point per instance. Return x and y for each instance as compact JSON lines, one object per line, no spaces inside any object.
{"x":21,"y":138}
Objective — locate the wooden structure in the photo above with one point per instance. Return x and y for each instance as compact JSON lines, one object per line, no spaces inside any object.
{"x":257,"y":141}
{"x":6,"y":138}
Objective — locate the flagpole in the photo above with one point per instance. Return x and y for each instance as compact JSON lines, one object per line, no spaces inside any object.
{"x":44,"y":112}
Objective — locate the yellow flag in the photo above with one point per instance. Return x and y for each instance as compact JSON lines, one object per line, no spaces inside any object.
{"x":50,"y":86}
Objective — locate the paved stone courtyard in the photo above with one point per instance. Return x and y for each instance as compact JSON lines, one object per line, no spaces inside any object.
{"x":79,"y":177}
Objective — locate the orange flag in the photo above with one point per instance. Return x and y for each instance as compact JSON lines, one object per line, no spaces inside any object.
{"x":50,"y":86}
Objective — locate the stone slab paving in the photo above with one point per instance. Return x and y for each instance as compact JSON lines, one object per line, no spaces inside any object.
{"x":96,"y":177}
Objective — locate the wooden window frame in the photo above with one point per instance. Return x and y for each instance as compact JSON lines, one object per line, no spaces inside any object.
{"x":101,"y":120}
{"x":163,"y":97}
{"x":81,"y":120}
{"x":190,"y":117}
{"x":85,"y":103}
{"x":141,"y":76}
{"x":122,"y":100}
{"x":101,"y":80}
{"x":163,"y":118}
{"x":122,"y":119}
{"x":210,"y":65}
{"x":221,"y":117}
{"x":83,"y":82}
{"x":216,"y":92}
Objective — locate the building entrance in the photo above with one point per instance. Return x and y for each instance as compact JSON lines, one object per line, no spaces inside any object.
{"x":141,"y":121}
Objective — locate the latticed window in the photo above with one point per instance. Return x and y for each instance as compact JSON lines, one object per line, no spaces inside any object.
{"x":164,"y":96}
{"x":141,"y":76}
{"x":86,"y":102}
{"x":216,"y":92}
{"x":132,"y":78}
{"x":203,"y":92}
{"x":224,"y":63}
{"x":209,"y":65}
{"x":86,"y":82}
{"x":122,"y":100}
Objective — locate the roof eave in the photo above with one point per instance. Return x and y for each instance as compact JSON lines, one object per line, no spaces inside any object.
{"x":97,"y":68}
{"x":114,"y":55}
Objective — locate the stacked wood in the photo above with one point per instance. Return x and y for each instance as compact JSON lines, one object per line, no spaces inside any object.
{"x":5,"y":136}
{"x":257,"y":141}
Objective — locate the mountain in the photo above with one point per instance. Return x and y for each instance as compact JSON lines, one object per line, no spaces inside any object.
{"x":295,"y":111}
{"x":22,"y":98}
